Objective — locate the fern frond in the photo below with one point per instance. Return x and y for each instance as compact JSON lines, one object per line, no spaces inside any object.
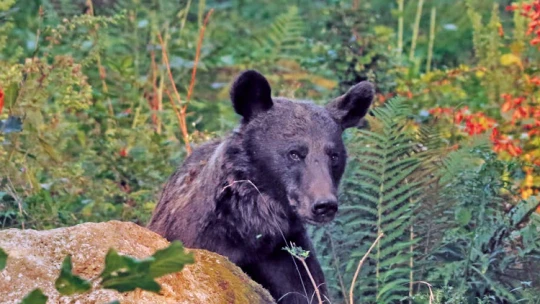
{"x":380,"y":196}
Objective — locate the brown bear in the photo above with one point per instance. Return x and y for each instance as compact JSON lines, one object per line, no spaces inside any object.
{"x":248,"y":195}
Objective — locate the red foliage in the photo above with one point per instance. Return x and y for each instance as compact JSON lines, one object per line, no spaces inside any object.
{"x":123,"y":152}
{"x":1,"y":100}
{"x":504,"y":143}
{"x":532,"y":12}
{"x":476,"y":123}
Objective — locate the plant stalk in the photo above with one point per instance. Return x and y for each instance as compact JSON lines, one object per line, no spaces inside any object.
{"x":400,"y":26}
{"x":416,"y":28}
{"x":431,"y":38}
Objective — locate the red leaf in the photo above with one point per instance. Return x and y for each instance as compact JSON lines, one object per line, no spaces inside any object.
{"x":1,"y":100}
{"x":123,"y":152}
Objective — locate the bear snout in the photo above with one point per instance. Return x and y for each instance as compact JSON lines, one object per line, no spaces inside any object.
{"x":325,"y":209}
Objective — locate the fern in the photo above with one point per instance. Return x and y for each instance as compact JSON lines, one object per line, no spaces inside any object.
{"x":442,"y":215}
{"x":385,"y":179}
{"x":283,"y":37}
{"x":379,"y":196}
{"x":471,"y":243}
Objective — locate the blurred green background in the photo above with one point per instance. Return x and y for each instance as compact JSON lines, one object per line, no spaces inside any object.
{"x":93,"y":96}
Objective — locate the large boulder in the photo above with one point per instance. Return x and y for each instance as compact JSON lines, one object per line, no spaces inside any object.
{"x":34,"y":259}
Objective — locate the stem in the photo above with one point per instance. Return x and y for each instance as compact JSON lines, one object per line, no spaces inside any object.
{"x":411,"y":249}
{"x":379,"y":226}
{"x":431,"y":295}
{"x":317,"y":292}
{"x":431,"y":38}
{"x":400,"y":26}
{"x":351,"y":291}
{"x":336,"y":265}
{"x":13,"y":193}
{"x":415,"y":29}
{"x":479,"y":223}
{"x":157,"y":94}
{"x":179,"y":114}
{"x":411,"y":265}
{"x":197,"y":55}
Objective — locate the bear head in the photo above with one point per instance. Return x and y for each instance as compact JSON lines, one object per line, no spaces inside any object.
{"x":294,"y":149}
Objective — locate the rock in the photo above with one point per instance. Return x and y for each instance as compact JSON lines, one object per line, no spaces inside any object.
{"x":34,"y":259}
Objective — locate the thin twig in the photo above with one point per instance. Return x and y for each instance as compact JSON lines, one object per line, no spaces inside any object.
{"x":336,"y":265}
{"x":198,"y":55}
{"x":181,"y":118}
{"x":431,"y":295}
{"x":168,"y":66}
{"x":351,"y":291}
{"x":181,"y":114}
{"x":156,"y":97}
{"x":317,"y":292}
{"x":13,"y":193}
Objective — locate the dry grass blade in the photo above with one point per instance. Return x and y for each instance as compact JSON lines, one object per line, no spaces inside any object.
{"x":431,"y":295}
{"x":317,"y":292}
{"x":351,"y":291}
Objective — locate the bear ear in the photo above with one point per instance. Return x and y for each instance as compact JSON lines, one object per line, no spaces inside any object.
{"x":251,"y":94}
{"x":349,"y":108}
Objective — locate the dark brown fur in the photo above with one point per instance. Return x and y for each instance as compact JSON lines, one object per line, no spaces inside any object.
{"x":248,"y":195}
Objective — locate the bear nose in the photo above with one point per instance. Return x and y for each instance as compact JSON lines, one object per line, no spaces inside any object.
{"x":325,"y":207}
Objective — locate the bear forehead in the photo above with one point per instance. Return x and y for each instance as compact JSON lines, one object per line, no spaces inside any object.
{"x":291,"y":118}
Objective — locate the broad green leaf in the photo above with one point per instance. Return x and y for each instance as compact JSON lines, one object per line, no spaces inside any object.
{"x":169,"y":260}
{"x":68,"y":283}
{"x":523,"y":209}
{"x":35,"y":297}
{"x":463,"y":216}
{"x":11,"y":94}
{"x":3,"y":259}
{"x":124,"y":273}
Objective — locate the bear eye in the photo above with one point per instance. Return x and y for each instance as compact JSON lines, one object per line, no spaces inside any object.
{"x":334,"y":157}
{"x":295,"y":155}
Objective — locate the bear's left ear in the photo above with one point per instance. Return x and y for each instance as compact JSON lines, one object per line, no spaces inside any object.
{"x":349,"y":108}
{"x":251,"y":94}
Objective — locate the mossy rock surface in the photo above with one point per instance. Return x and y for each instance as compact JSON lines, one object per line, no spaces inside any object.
{"x":35,"y":258}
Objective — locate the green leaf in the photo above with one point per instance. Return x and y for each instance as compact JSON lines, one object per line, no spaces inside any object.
{"x":124,"y":273}
{"x":35,"y":297}
{"x":523,"y":209}
{"x":3,"y":259}
{"x":463,"y":216}
{"x":68,"y":283}
{"x":11,"y":92}
{"x":170,"y":260}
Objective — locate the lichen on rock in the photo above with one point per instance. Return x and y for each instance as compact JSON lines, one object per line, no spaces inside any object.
{"x":35,"y":257}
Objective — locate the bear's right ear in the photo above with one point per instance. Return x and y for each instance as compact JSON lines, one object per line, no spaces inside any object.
{"x":251,"y":94}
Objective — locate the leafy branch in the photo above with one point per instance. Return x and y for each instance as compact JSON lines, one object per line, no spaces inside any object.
{"x":121,"y":273}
